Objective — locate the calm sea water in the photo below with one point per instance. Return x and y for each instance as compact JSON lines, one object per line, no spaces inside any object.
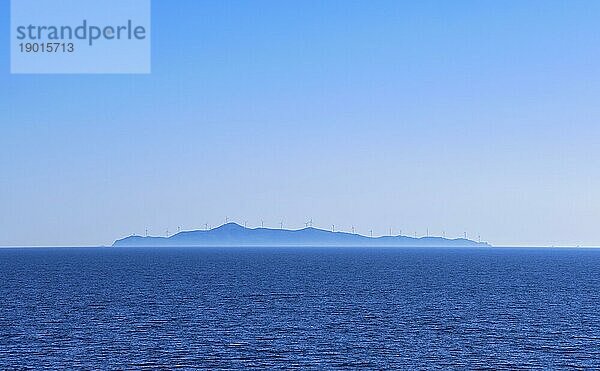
{"x":299,"y":308}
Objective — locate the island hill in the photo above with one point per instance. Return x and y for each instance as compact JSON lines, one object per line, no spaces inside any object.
{"x":232,"y":234}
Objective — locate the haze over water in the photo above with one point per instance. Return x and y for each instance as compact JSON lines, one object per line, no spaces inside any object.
{"x":299,"y":307}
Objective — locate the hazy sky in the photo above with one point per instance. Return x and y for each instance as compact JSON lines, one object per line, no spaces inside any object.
{"x":477,"y":116}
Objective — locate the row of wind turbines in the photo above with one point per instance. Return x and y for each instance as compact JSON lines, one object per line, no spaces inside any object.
{"x":309,"y":224}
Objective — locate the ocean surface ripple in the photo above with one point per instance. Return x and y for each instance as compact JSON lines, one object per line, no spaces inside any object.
{"x":303,"y":308}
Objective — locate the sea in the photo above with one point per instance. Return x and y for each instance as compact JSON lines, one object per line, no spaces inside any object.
{"x":299,"y":308}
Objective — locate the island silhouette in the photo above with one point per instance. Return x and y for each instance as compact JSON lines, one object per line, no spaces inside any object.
{"x":233,"y":234}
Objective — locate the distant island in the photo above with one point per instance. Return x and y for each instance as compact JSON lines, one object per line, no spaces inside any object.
{"x":232,"y":234}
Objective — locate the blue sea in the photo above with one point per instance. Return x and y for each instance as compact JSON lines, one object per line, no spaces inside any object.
{"x":303,"y":308}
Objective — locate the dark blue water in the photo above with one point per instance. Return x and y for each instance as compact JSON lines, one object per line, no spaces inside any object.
{"x":302,"y":308}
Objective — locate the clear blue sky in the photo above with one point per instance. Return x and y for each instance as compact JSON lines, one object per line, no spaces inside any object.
{"x":477,"y":116}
